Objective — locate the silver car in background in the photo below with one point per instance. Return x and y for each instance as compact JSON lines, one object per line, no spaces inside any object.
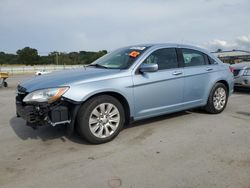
{"x":242,"y":74}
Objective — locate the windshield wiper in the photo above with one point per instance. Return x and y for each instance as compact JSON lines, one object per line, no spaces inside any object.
{"x":97,"y":65}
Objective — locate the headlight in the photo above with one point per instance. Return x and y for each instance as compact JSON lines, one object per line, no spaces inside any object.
{"x":246,"y":72}
{"x":46,"y":95}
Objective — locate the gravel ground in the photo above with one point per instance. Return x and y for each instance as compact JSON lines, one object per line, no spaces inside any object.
{"x":186,"y":149}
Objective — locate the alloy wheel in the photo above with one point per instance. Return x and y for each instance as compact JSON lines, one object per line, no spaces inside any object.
{"x":104,"y":120}
{"x":219,"y":98}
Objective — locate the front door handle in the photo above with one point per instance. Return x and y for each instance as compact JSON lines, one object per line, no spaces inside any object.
{"x":177,"y":73}
{"x":209,"y":69}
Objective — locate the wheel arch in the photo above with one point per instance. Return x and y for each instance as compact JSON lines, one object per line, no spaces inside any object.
{"x":120,"y":98}
{"x":223,"y":81}
{"x":209,"y":107}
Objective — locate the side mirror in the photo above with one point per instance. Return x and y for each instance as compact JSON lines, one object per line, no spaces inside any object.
{"x":148,"y":67}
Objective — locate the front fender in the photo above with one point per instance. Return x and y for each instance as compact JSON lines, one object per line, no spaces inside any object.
{"x":83,"y":91}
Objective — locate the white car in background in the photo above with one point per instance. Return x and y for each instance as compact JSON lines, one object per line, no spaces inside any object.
{"x":38,"y":73}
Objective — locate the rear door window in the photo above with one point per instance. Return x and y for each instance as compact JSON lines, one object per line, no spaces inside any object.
{"x":194,"y":58}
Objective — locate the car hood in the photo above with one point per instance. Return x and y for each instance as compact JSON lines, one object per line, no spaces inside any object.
{"x":67,"y":78}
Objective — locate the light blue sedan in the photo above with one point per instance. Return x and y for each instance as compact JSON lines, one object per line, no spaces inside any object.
{"x":128,"y":84}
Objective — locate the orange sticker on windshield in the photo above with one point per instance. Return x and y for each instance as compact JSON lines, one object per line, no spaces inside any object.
{"x":134,"y":54}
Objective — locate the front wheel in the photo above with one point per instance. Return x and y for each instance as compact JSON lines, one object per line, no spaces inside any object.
{"x":100,"y":119}
{"x":217,"y":99}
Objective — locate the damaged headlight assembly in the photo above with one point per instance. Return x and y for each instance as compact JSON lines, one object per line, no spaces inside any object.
{"x":42,"y":108}
{"x":49,"y":95}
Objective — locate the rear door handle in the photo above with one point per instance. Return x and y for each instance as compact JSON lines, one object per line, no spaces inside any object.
{"x":209,"y":69}
{"x":177,"y":73}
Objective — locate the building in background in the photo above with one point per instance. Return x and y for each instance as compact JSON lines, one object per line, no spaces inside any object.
{"x":233,"y":56}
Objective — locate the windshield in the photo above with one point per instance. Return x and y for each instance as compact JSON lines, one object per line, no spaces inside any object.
{"x":122,"y":58}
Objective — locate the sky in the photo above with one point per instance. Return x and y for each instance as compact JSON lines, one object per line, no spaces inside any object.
{"x":93,"y":25}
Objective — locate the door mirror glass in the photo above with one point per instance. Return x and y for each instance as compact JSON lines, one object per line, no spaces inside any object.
{"x":153,"y":67}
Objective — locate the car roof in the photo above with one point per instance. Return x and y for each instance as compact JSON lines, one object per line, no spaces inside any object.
{"x":159,"y":45}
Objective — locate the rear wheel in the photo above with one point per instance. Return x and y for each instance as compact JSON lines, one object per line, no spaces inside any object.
{"x":100,"y":119}
{"x":217,"y":99}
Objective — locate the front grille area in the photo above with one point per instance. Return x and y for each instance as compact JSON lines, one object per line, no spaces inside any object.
{"x":236,"y":72}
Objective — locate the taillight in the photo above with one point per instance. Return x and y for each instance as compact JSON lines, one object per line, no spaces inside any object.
{"x":231,"y":69}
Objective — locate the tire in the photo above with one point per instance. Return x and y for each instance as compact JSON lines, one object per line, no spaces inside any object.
{"x":94,"y":125}
{"x":5,"y":84}
{"x":217,"y":100}
{"x":17,"y":115}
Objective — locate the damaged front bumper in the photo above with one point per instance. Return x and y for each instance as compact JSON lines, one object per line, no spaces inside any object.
{"x":62,"y":111}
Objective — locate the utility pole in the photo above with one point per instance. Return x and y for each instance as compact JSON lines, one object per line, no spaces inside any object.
{"x":56,"y":58}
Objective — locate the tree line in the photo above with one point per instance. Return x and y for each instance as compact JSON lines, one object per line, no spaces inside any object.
{"x":30,"y":56}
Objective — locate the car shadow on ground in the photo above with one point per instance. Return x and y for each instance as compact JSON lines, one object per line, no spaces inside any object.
{"x":46,"y":133}
{"x":157,"y":118}
{"x":43,"y":133}
{"x":244,"y":91}
{"x":238,"y":90}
